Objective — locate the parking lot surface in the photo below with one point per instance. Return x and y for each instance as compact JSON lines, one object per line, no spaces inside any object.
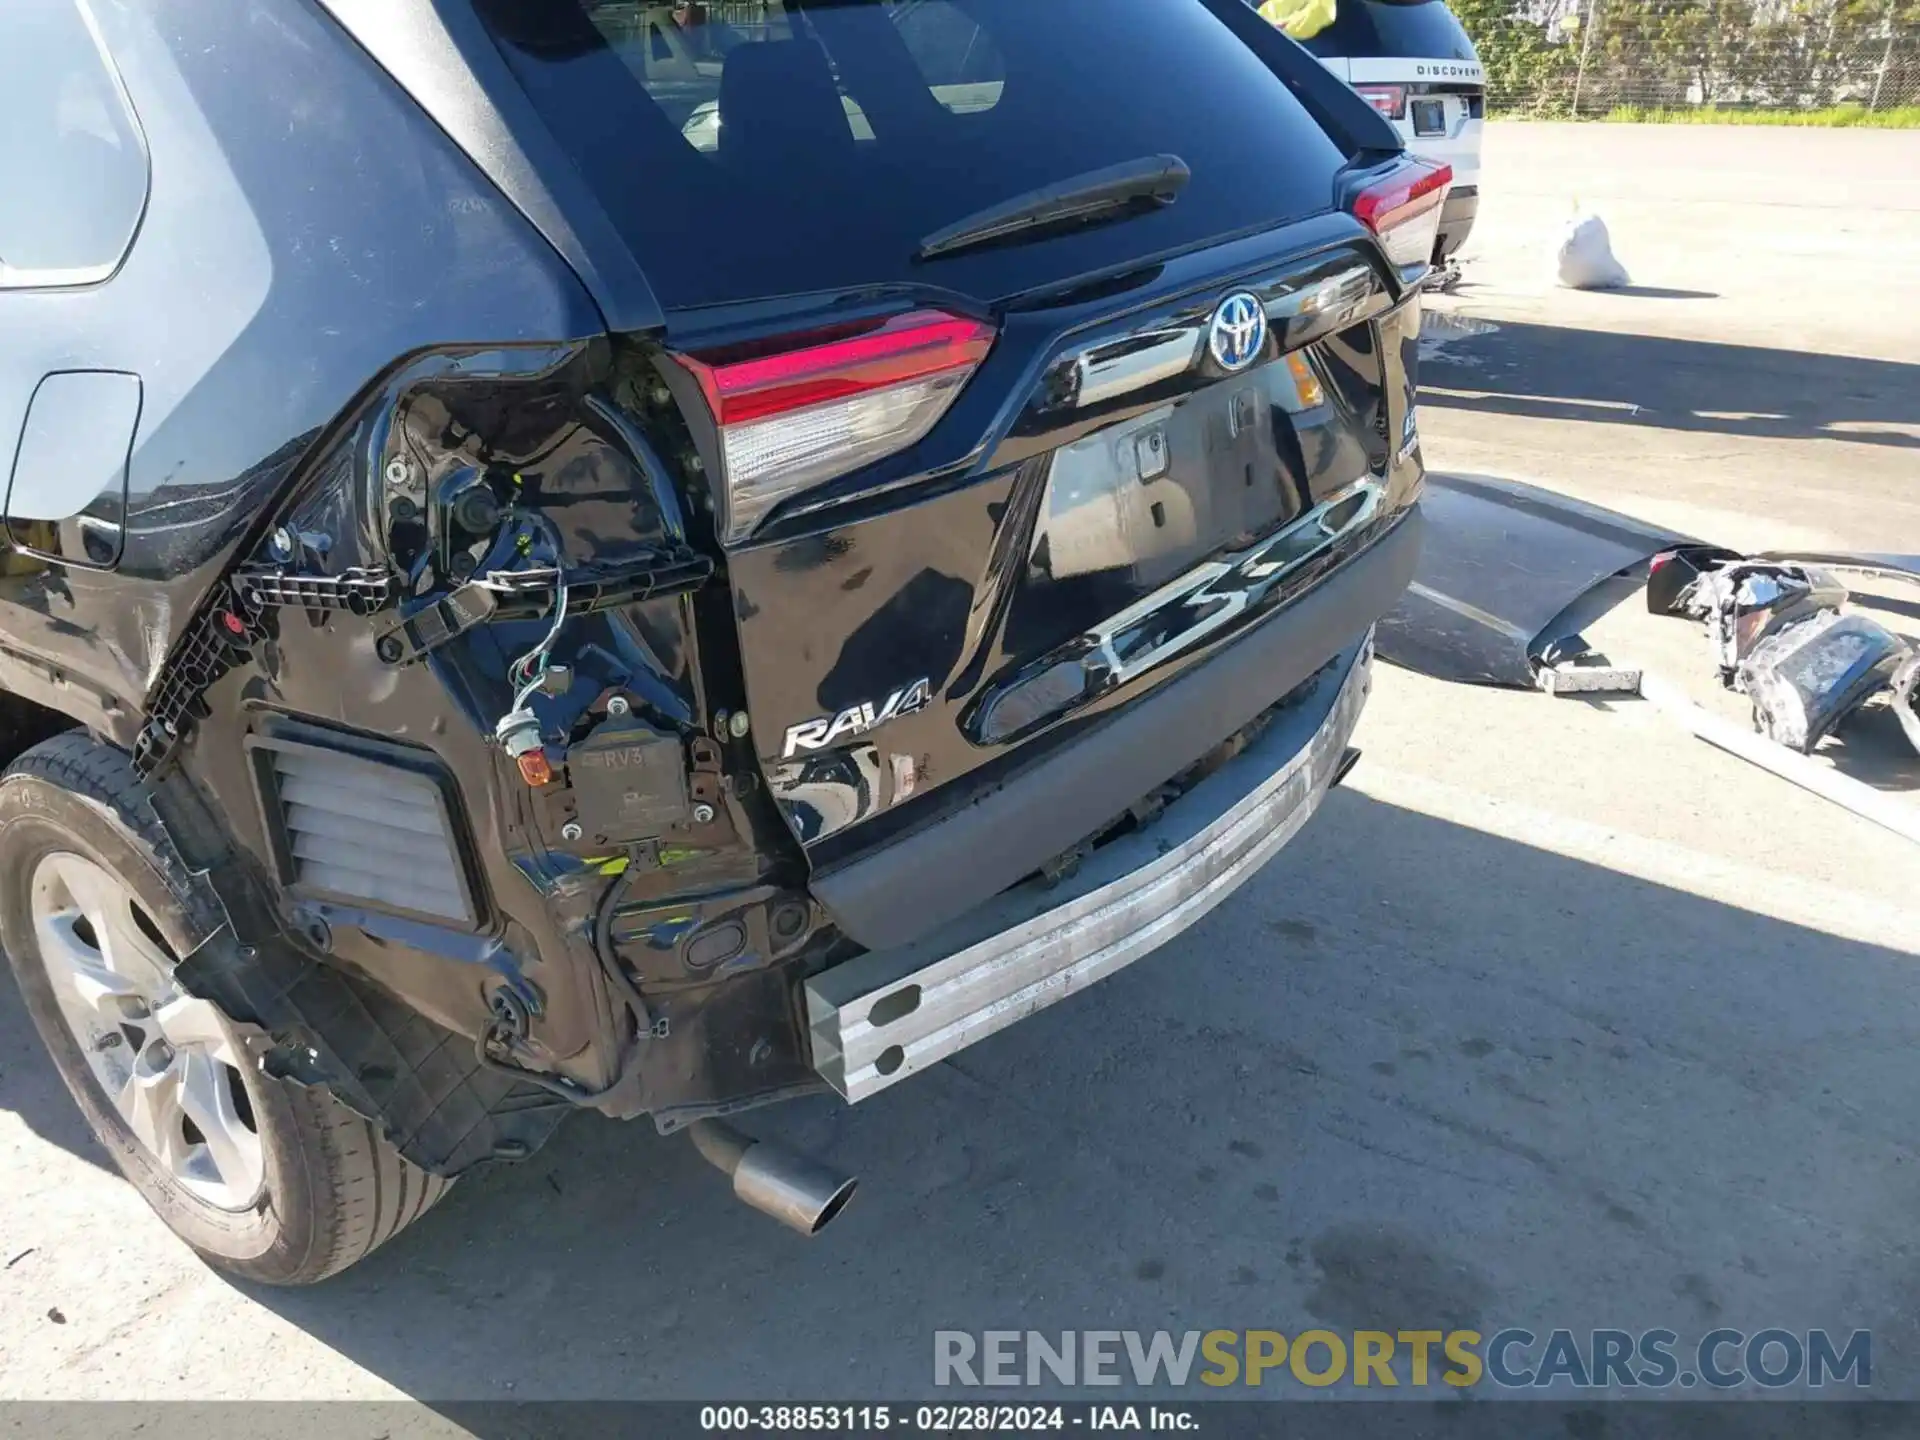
{"x":1553,"y":1017}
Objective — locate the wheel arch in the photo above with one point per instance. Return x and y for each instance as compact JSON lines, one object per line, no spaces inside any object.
{"x":25,"y":722}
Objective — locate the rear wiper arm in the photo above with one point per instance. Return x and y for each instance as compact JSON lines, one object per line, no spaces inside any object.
{"x":1152,"y":180}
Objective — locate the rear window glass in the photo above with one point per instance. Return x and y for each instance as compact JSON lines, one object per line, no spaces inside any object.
{"x":1379,"y":29}
{"x":755,"y":149}
{"x":954,"y":54}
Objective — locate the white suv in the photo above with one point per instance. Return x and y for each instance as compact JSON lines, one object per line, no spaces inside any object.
{"x":1415,"y":65}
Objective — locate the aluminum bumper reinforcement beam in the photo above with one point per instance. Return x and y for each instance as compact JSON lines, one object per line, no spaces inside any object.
{"x":886,"y":1015}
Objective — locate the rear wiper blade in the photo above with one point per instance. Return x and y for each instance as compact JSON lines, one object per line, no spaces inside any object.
{"x":1152,"y":180}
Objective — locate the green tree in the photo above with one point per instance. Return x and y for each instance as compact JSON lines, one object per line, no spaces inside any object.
{"x":1671,"y":53}
{"x":1526,"y":68}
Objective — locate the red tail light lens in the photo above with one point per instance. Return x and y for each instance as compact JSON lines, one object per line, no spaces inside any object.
{"x":829,"y":402}
{"x":1389,"y":100}
{"x":1403,"y":209}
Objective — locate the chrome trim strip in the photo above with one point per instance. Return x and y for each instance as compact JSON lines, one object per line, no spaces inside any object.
{"x":1215,"y":595}
{"x":1299,"y":308}
{"x":1124,"y":366}
{"x":1032,"y":947}
{"x":1218,"y":592}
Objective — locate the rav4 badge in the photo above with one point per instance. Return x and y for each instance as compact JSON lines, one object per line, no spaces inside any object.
{"x":858,"y":719}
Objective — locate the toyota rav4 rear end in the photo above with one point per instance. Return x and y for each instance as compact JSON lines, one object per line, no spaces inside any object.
{"x":1046,"y":369}
{"x":898,"y":540}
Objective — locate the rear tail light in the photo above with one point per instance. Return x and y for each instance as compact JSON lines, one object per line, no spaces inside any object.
{"x":829,"y":402}
{"x":1403,"y":209}
{"x":1389,"y":100}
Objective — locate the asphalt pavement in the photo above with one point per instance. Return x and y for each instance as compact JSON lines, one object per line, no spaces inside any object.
{"x":1554,"y":1017}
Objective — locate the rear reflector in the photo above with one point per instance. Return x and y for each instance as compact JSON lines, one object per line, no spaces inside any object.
{"x":821,"y":407}
{"x":1403,"y":209}
{"x":1389,"y":100}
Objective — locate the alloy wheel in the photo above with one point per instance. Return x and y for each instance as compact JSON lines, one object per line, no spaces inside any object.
{"x":168,"y":1062}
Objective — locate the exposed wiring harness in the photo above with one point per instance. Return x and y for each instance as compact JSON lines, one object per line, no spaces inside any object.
{"x":603,"y":947}
{"x":500,"y":1036}
{"x":519,"y":731}
{"x":529,"y":672}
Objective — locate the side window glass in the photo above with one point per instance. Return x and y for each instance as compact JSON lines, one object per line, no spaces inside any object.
{"x":73,"y":165}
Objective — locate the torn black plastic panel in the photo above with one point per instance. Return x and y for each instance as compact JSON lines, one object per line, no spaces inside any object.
{"x":242,"y":369}
{"x":475,"y":908}
{"x":1807,"y":677}
{"x":1863,"y":562}
{"x":1671,"y":573}
{"x":1502,"y":565}
{"x":313,"y":1024}
{"x":1745,"y":601}
{"x":1906,"y":699}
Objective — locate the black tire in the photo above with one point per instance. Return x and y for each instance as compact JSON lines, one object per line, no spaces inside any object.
{"x":335,"y":1190}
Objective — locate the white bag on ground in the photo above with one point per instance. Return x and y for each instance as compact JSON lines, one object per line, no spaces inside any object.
{"x":1586,"y":257}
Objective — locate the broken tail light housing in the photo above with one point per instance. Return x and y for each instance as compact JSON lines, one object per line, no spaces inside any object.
{"x":1389,"y":100}
{"x":825,"y":403}
{"x":1402,"y":208}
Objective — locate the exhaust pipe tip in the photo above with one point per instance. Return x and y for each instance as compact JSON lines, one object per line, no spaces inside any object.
{"x":801,"y":1193}
{"x":1349,"y":758}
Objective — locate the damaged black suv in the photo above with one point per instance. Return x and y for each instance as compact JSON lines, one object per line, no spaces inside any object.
{"x":656,"y":558}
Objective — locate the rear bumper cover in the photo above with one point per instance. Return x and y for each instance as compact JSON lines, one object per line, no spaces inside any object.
{"x":925,"y":880}
{"x":886,"y":1015}
{"x":1457,"y":216}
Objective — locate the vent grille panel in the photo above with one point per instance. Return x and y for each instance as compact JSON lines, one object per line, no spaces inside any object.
{"x":372,"y":832}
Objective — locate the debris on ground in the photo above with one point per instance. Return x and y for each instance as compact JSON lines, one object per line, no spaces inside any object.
{"x":1906,"y":699}
{"x":1806,"y":678}
{"x":1585,"y":260}
{"x":1502,"y":567}
{"x":1777,"y":634}
{"x":1512,"y":576}
{"x":1671,"y":574}
{"x":1745,"y":601}
{"x":1570,"y":666}
{"x":1444,"y":277}
{"x":1864,"y":800}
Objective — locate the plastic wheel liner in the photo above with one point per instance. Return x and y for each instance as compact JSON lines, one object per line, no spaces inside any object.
{"x":1502,"y":563}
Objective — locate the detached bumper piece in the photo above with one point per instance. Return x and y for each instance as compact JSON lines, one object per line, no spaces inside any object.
{"x":886,"y":1015}
{"x":1906,"y":699}
{"x":1803,"y":680}
{"x":1777,"y":635}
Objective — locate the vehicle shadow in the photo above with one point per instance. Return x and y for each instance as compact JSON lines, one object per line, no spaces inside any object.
{"x":1872,"y":748}
{"x":31,"y":1089}
{"x":1663,"y":292}
{"x":1413,"y":1075}
{"x":1552,"y":372}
